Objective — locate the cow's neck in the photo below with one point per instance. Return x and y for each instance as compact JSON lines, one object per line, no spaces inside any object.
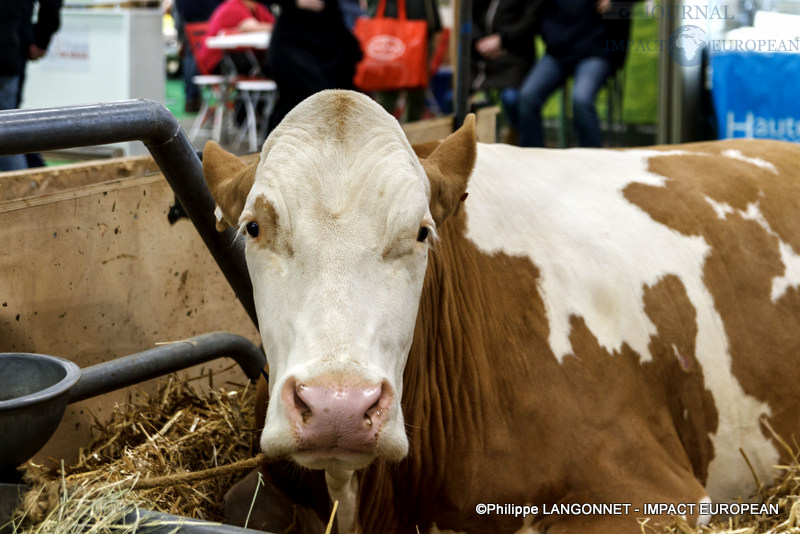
{"x":457,"y":379}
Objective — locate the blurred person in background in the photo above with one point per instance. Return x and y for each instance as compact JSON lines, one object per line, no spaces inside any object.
{"x":427,"y":10}
{"x":35,"y":39}
{"x":233,"y":16}
{"x":575,"y":34}
{"x":504,"y":50}
{"x":190,"y":11}
{"x":311,"y":50}
{"x":351,"y":10}
{"x":12,"y":14}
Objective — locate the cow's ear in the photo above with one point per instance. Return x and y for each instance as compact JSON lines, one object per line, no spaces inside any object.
{"x":229,"y":180}
{"x":449,"y":166}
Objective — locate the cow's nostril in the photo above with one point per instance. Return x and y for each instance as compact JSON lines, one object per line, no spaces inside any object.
{"x":301,"y":406}
{"x":376,"y":409}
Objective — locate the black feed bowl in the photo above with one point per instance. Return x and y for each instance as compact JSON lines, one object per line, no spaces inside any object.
{"x":34,"y":392}
{"x":35,"y":389}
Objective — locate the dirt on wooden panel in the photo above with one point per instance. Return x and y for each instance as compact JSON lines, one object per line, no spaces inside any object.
{"x":98,"y":273}
{"x":48,"y":180}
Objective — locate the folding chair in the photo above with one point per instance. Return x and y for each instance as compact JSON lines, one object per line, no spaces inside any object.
{"x":252,"y":92}
{"x":213,"y":87}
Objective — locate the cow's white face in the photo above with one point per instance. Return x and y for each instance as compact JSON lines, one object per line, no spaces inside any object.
{"x":337,"y":227}
{"x":337,"y":268}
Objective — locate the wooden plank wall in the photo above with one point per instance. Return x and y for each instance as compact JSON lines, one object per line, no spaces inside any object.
{"x":97,"y":273}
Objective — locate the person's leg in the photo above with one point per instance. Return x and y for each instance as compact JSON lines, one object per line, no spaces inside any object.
{"x":415,"y":105}
{"x":545,"y":77}
{"x":33,"y":159}
{"x":190,"y":90}
{"x":388,"y":100}
{"x":509,"y":98}
{"x":9,"y":90}
{"x":590,"y":75}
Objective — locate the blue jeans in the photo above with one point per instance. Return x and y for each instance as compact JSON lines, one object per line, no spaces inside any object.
{"x":509,"y":97}
{"x":189,"y":67}
{"x":547,"y":76}
{"x":9,"y":89}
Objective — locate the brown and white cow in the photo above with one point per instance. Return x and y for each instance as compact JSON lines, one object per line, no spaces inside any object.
{"x":590,"y":326}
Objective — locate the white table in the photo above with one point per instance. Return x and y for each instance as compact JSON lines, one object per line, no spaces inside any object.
{"x":248,"y":43}
{"x":231,"y":41}
{"x":245,"y":42}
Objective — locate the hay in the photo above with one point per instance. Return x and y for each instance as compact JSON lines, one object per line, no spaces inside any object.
{"x":91,"y":507}
{"x":177,"y":452}
{"x":783,"y":491}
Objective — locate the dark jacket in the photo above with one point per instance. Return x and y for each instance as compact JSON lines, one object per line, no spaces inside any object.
{"x":427,"y":10}
{"x":515,"y":21}
{"x":308,"y":52}
{"x":574,"y":30}
{"x":12,"y":16}
{"x":48,"y":21}
{"x":196,"y":10}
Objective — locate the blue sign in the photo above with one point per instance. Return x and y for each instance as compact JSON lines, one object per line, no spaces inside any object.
{"x":756,"y":95}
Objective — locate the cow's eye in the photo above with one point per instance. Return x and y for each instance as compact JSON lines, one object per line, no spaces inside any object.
{"x":423,"y":234}
{"x":252,"y":229}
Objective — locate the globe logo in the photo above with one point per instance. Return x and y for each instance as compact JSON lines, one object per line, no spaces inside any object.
{"x":686,"y":45}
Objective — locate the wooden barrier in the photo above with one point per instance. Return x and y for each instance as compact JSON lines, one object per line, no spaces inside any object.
{"x":97,"y":272}
{"x":441,"y":127}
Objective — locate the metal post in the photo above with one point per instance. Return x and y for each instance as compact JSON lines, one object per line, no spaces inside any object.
{"x":463,"y":71}
{"x":34,"y":130}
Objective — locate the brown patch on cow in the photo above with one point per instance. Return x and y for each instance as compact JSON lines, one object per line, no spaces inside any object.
{"x":271,"y":234}
{"x":675,"y":366}
{"x":764,"y":336}
{"x":628,"y":425}
{"x":341,"y":107}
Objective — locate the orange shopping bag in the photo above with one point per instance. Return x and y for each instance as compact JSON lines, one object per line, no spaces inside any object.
{"x":395,"y":51}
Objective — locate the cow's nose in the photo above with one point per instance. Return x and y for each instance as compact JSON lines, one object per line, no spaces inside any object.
{"x":332,"y":416}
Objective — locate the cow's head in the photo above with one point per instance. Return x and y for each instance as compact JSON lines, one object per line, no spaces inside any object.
{"x":337,"y":217}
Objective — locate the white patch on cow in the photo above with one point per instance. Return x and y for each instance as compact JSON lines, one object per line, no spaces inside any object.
{"x":758,"y":162}
{"x":596,"y":264}
{"x":791,"y":276}
{"x":704,"y":519}
{"x":343,"y":489}
{"x":596,"y":252}
{"x":526,"y":527}
{"x":722,"y":209}
{"x":790,"y":260}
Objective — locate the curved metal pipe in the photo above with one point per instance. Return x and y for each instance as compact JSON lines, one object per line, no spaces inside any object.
{"x":34,"y":130}
{"x":165,"y":359}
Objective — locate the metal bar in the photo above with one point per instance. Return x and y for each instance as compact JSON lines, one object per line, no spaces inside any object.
{"x":463,"y":72}
{"x":165,"y":359}
{"x":34,"y":130}
{"x":150,"y":522}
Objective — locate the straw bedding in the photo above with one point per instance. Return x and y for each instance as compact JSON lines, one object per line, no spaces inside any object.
{"x":169,"y":435}
{"x":181,"y":433}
